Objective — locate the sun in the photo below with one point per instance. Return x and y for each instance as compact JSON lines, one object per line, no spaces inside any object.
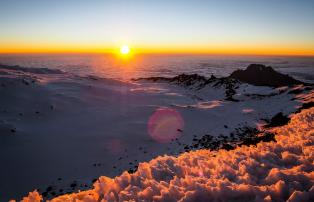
{"x":124,"y":50}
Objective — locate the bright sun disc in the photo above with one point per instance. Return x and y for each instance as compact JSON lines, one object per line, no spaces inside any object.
{"x":124,"y":50}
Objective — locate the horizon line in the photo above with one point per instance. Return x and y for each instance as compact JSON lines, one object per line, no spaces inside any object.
{"x":154,"y":53}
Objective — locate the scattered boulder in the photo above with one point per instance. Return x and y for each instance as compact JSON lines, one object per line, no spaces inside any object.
{"x":278,"y":120}
{"x":73,"y":185}
{"x":49,"y":189}
{"x":307,"y":105}
{"x":263,"y":137}
{"x":6,"y":128}
{"x":227,"y":147}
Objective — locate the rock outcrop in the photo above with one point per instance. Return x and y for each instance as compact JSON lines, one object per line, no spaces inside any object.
{"x":261,"y":75}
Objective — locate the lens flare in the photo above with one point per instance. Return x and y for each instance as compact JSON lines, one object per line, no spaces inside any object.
{"x":114,"y":146}
{"x":165,"y":124}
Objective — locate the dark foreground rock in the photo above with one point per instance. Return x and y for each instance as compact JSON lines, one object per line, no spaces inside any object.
{"x":307,"y":105}
{"x":278,"y":120}
{"x":261,"y":75}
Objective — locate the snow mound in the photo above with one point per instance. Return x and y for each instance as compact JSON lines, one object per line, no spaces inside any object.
{"x":272,"y":171}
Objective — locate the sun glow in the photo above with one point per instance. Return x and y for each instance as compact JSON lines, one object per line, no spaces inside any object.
{"x":124,"y":50}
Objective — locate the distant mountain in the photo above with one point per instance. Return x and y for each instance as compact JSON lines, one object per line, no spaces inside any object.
{"x":31,"y":69}
{"x":261,"y":75}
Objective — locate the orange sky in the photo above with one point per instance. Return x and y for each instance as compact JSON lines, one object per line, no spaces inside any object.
{"x":249,"y":27}
{"x":234,"y":50}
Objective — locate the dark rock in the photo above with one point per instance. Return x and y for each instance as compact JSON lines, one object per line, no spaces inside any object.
{"x":241,"y":136}
{"x":307,"y":105}
{"x":261,"y":96}
{"x":25,"y":82}
{"x":265,"y":137}
{"x":73,"y":185}
{"x":198,"y":82}
{"x":296,"y":91}
{"x":230,"y":87}
{"x":278,"y":120}
{"x":227,"y":147}
{"x":182,"y":79}
{"x":261,"y":75}
{"x":49,"y":189}
{"x":231,"y":99}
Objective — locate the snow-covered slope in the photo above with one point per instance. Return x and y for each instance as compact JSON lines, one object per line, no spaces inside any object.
{"x":79,"y":128}
{"x":270,"y":171}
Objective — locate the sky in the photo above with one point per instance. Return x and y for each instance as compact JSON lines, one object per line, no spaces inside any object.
{"x":274,"y":27}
